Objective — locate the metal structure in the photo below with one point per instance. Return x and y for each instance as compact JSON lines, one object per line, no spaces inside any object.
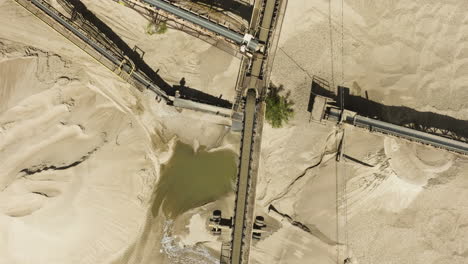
{"x":158,"y":16}
{"x":399,"y":131}
{"x":254,"y":83}
{"x":246,"y":40}
{"x":256,"y":70}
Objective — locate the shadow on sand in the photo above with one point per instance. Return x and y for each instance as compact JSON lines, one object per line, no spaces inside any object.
{"x":236,"y":7}
{"x":198,"y":96}
{"x":94,"y":23}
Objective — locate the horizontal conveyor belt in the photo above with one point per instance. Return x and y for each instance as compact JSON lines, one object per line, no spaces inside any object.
{"x":404,"y":132}
{"x":253,"y":44}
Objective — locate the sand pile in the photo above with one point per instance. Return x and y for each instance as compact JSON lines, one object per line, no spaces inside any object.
{"x":82,"y":151}
{"x":77,"y":172}
{"x":405,"y":202}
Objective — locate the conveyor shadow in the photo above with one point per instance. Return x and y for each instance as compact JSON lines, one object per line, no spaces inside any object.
{"x":429,"y":122}
{"x":309,"y":228}
{"x":103,"y":28}
{"x":195,"y":95}
{"x":358,"y":161}
{"x":236,"y":7}
{"x":125,"y":49}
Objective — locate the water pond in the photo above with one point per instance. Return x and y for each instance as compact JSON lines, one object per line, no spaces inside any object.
{"x":191,"y":179}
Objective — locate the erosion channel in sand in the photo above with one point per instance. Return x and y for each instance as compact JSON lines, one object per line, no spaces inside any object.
{"x":193,"y":178}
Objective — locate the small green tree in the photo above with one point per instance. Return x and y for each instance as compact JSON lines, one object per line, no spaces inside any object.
{"x":162,"y":28}
{"x":150,"y":28}
{"x":278,"y":107}
{"x":159,"y":28}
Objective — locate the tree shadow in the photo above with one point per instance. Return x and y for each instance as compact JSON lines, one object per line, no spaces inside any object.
{"x":429,"y":122}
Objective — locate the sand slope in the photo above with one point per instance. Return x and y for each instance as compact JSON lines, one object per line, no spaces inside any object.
{"x":82,"y":151}
{"x":77,"y":172}
{"x":408,"y":205}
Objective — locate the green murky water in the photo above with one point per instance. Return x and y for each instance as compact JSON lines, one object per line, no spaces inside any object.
{"x":191,"y":179}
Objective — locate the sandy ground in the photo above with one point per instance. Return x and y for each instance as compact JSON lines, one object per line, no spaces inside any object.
{"x":408,"y":204}
{"x":78,"y":174}
{"x":82,"y":151}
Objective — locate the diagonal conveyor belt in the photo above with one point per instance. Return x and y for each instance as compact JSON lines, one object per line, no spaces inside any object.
{"x":117,"y":61}
{"x":252,"y":45}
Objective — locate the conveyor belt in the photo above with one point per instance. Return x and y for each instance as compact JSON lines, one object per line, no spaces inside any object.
{"x":242,"y":184}
{"x":404,"y":132}
{"x":106,"y":53}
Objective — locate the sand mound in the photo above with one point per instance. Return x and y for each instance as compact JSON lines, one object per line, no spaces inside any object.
{"x":82,"y":148}
{"x":415,"y":163}
{"x":77,"y":167}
